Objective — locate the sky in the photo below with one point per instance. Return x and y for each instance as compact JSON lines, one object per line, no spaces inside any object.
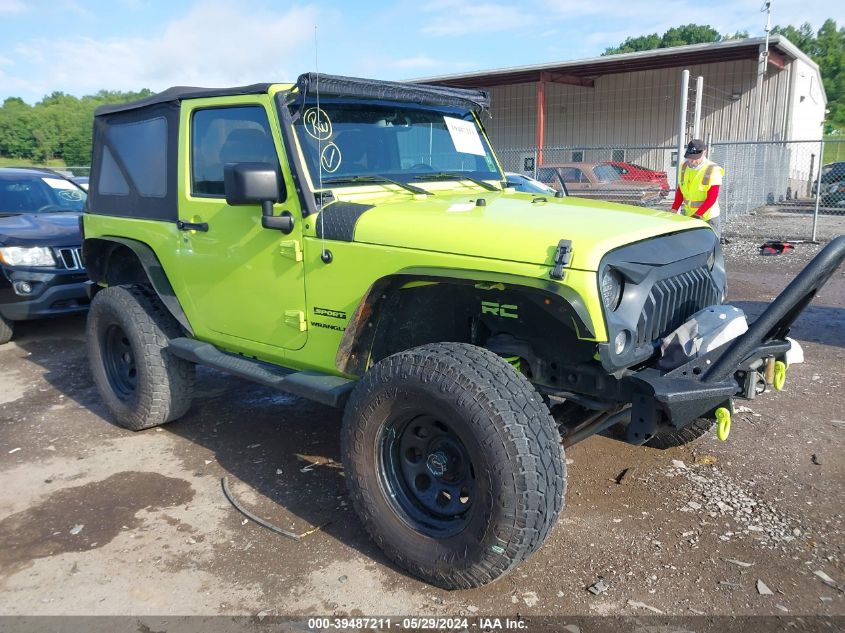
{"x":79,"y":47}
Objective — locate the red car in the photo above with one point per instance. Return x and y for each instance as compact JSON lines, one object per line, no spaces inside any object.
{"x":630,"y":171}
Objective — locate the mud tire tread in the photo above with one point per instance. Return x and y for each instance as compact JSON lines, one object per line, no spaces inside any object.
{"x":7,"y":330}
{"x":515,"y":431}
{"x":165,"y":382}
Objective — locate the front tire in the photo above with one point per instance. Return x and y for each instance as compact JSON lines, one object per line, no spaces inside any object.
{"x":453,"y":463}
{"x":7,"y":330}
{"x":141,"y":383}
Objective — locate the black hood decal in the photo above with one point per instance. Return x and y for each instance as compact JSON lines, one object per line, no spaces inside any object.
{"x":337,"y":220}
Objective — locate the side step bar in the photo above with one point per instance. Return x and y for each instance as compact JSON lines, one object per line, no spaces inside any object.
{"x":323,"y":388}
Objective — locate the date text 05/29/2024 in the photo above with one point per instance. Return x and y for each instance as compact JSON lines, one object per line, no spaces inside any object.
{"x":417,"y":624}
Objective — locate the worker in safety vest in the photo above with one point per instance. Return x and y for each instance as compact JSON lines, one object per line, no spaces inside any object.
{"x":697,"y":194}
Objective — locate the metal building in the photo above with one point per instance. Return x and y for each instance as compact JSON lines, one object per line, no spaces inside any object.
{"x":632,"y":101}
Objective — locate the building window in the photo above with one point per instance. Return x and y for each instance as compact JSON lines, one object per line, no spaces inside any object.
{"x":618,"y":155}
{"x":578,"y":157}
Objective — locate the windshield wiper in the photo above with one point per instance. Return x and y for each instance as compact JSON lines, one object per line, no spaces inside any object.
{"x":376,"y":179}
{"x":445,"y":175}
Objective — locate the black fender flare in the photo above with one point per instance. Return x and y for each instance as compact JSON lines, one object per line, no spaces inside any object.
{"x":96,"y":253}
{"x":353,"y":351}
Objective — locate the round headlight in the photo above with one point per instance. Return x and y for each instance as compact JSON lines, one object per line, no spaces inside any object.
{"x":611,"y":289}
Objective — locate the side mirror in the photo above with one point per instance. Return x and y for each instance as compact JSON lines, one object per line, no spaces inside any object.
{"x":251,"y":183}
{"x":257,"y":183}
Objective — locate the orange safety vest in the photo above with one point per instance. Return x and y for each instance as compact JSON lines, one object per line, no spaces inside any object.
{"x":694,"y":185}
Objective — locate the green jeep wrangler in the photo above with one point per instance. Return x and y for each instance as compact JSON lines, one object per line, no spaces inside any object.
{"x":351,"y":241}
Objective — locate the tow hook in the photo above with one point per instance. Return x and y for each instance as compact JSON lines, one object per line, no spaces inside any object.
{"x":780,"y":375}
{"x":723,"y":423}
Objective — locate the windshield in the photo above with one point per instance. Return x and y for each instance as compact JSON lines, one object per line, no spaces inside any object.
{"x":833,"y":172}
{"x":398,"y":141}
{"x":39,"y":193}
{"x":526,"y":184}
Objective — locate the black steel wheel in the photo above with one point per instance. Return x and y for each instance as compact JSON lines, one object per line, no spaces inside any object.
{"x":119,"y":362}
{"x":428,"y":473}
{"x":453,"y":463}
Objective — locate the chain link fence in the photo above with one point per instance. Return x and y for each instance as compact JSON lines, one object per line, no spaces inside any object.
{"x":773,"y":189}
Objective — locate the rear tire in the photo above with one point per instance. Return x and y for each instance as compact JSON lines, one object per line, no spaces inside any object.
{"x":679,"y":437}
{"x":668,"y":439}
{"x":453,"y":463}
{"x":7,"y":330}
{"x":141,"y":383}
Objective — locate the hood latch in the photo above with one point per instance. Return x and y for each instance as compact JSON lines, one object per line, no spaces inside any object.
{"x":563,"y":253}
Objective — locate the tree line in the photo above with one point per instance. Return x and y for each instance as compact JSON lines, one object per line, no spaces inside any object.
{"x":59,"y":126}
{"x":826,"y":47}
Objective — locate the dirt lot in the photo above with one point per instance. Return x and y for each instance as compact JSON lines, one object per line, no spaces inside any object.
{"x":98,"y":520}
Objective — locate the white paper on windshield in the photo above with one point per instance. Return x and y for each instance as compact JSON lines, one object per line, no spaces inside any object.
{"x":58,"y":183}
{"x":465,"y":136}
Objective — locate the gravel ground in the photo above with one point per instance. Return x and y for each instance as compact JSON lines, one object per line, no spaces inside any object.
{"x":773,"y":223}
{"x":97,"y":520}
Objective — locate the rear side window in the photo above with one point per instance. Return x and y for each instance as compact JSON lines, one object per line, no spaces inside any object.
{"x":605,"y":173}
{"x":140,"y":147}
{"x":546,"y":174}
{"x":572,"y":174}
{"x":227,"y":135}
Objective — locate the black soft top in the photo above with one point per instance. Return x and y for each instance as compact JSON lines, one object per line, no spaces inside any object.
{"x":329,"y":85}
{"x":134,"y":162}
{"x":177,"y":93}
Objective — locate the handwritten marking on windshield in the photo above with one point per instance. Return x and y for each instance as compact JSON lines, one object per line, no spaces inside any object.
{"x":317,"y":123}
{"x":330,"y":158}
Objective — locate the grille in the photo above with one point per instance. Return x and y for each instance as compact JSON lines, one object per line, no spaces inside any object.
{"x":69,"y":258}
{"x":672,"y":301}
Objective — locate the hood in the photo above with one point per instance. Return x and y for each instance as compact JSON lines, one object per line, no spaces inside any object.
{"x":510,"y":226}
{"x":40,"y":229}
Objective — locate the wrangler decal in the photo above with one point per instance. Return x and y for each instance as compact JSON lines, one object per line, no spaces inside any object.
{"x":328,"y":326}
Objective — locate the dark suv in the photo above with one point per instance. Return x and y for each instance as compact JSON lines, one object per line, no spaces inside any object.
{"x":42,"y":273}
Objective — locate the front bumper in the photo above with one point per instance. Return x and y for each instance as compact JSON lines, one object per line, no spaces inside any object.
{"x":676,"y":398}
{"x":52,"y":294}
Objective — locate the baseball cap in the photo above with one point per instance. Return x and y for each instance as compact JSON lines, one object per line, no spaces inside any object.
{"x":695,"y":148}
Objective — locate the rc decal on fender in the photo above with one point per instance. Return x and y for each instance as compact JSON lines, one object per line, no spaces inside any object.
{"x":504,"y":310}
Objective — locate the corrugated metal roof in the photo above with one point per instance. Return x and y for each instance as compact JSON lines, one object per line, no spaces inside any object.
{"x":731,"y":50}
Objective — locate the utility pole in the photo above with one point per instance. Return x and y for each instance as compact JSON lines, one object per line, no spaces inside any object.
{"x":682,"y":123}
{"x":761,"y":71}
{"x":696,"y":123}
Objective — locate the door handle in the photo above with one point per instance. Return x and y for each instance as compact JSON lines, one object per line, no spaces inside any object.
{"x":192,"y":226}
